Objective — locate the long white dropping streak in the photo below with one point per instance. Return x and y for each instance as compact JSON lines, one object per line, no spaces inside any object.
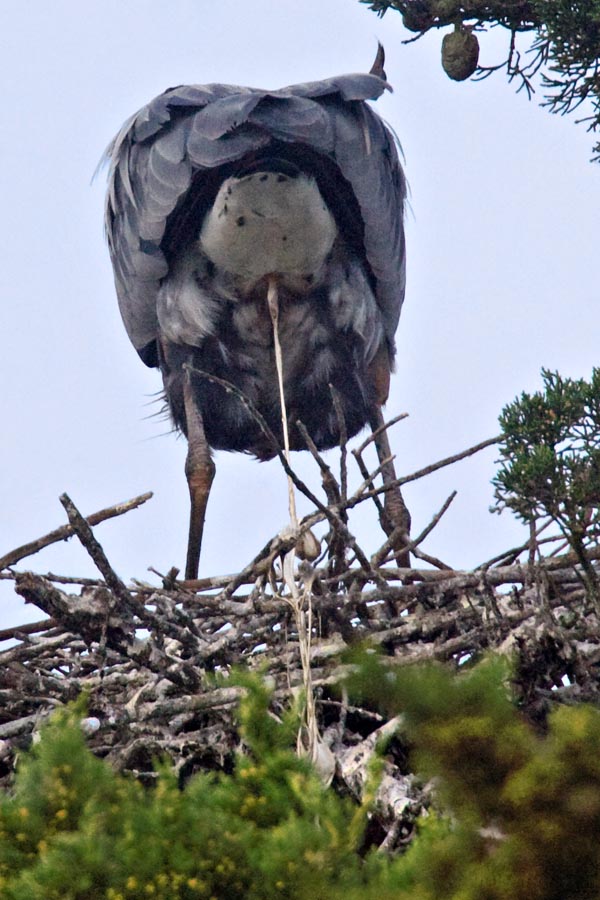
{"x":273,"y":302}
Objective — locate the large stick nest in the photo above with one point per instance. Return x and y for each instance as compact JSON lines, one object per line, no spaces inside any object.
{"x":154,"y":660}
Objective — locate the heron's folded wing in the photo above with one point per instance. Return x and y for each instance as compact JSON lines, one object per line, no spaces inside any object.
{"x":179,"y":138}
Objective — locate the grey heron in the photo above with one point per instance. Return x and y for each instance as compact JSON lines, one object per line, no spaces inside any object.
{"x":213,"y":190}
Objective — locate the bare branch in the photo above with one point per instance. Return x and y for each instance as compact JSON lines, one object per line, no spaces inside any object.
{"x":67,"y":531}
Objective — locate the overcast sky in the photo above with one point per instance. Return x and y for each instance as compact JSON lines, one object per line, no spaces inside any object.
{"x":503,"y":272}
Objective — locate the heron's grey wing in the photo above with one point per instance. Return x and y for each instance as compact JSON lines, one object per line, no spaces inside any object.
{"x":358,"y":86}
{"x":192,"y":129}
{"x":330,"y":117}
{"x":145,"y":182}
{"x":377,"y":179}
{"x":366,"y":153}
{"x":152,"y":160}
{"x":364,"y":150}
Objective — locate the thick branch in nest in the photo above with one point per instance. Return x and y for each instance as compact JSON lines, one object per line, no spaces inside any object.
{"x":144,"y":653}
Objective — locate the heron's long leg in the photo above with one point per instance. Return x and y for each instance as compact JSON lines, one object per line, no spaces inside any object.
{"x":397,"y":516}
{"x":199,"y":471}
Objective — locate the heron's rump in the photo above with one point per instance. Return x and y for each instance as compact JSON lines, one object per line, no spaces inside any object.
{"x":269,"y":222}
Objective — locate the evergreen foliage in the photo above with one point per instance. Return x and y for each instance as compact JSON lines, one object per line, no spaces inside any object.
{"x":524,"y":808}
{"x":522,"y":813}
{"x":74,"y":829}
{"x":550,"y":454}
{"x":565,"y":49}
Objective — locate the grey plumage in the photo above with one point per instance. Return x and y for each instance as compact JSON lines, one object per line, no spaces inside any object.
{"x":215,"y":189}
{"x":192,"y":130}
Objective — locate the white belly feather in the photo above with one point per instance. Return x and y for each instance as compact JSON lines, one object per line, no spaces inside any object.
{"x":267,"y":223}
{"x":261,"y":224}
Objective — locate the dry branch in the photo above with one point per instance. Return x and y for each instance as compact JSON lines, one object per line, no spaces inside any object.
{"x":66,"y":531}
{"x":155,"y":660}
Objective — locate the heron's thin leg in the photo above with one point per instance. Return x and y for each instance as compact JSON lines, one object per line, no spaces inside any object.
{"x":200,"y":471}
{"x":397,"y":516}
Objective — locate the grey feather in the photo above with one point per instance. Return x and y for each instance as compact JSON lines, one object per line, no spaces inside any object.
{"x":206,"y":154}
{"x":169,"y":162}
{"x":358,"y":86}
{"x":223,"y":115}
{"x":160,"y":153}
{"x":295,"y":119}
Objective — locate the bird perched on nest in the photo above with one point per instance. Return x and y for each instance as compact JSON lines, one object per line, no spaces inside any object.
{"x":215,"y":192}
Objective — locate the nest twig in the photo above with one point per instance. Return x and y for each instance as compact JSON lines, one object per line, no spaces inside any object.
{"x":155,"y":659}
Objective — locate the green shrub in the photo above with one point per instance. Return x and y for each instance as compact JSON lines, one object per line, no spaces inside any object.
{"x":524,"y":809}
{"x":521,"y":820}
{"x":73,"y":828}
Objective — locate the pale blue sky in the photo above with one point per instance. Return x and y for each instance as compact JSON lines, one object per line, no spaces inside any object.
{"x":503,"y":271}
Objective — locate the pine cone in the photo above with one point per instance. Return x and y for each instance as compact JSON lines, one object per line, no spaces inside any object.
{"x":460,"y":53}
